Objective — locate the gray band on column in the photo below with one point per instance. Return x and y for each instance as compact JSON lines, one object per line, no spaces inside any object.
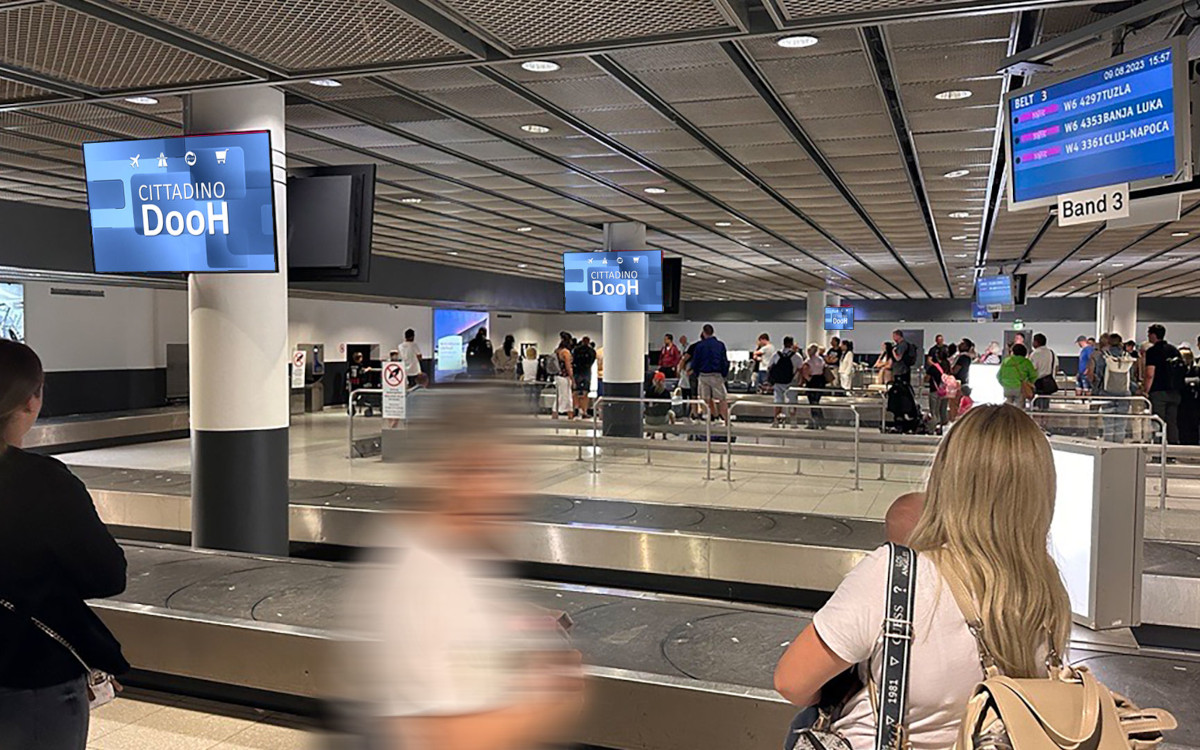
{"x":242,"y":476}
{"x":622,"y":419}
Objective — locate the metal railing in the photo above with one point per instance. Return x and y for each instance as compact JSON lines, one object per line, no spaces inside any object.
{"x":865,"y":395}
{"x":1161,"y":444}
{"x":351,"y":405}
{"x":597,"y":407}
{"x":794,"y":407}
{"x":1071,"y":398}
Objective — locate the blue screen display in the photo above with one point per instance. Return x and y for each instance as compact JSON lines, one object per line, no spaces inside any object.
{"x":839,"y":319}
{"x":979,"y":312}
{"x":994,"y":290}
{"x":202,"y":203}
{"x":1108,"y":127}
{"x":452,"y":331}
{"x":623,"y":281}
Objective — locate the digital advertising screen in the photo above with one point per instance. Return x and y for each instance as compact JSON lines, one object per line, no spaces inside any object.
{"x":994,"y":291}
{"x":452,"y":329}
{"x":192,"y":204}
{"x":1071,"y":528}
{"x":1125,"y":122}
{"x":839,"y":318}
{"x":622,"y":281}
{"x":12,"y":312}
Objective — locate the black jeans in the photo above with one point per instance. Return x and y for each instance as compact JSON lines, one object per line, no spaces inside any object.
{"x":51,"y":718}
{"x":1165,"y":405}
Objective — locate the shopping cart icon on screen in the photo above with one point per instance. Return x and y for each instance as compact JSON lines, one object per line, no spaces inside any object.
{"x":222,"y":155}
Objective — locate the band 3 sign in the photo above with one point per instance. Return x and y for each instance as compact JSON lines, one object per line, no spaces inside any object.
{"x":623,"y":281}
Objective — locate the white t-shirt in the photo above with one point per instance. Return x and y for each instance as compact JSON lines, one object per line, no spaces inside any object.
{"x":768,"y":354}
{"x":529,"y":369}
{"x":944,"y":667}
{"x":410,"y":355}
{"x":441,"y":638}
{"x":1043,"y":361}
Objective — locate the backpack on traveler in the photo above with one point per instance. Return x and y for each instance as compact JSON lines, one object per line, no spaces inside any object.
{"x":584,"y":357}
{"x":783,"y":371}
{"x":1069,"y":709}
{"x":1177,"y":371}
{"x":553,"y":364}
{"x":1118,"y":373}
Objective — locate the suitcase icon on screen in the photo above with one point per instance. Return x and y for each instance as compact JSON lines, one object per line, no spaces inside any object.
{"x":222,"y":155}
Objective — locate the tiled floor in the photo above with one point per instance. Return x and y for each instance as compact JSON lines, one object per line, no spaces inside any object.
{"x":319,"y":450}
{"x":140,"y":720}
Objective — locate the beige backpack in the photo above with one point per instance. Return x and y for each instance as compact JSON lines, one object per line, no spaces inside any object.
{"x":1067,"y":710}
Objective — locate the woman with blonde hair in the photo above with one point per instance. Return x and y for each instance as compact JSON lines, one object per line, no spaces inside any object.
{"x":986,"y":520}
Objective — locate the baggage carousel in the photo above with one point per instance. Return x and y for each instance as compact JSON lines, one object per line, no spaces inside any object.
{"x":86,"y":431}
{"x":795,"y":552}
{"x":667,"y":672}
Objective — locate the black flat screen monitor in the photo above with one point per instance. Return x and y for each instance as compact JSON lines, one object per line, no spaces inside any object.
{"x":330,"y":215}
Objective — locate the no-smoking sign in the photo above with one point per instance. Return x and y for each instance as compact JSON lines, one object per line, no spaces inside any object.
{"x":298,"y":359}
{"x":393,"y":374}
{"x":394,"y":383}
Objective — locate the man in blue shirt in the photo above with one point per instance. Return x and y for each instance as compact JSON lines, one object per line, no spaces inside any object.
{"x":1086,"y":348}
{"x":711,"y":365}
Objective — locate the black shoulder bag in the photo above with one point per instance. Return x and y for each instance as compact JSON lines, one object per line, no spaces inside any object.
{"x":813,"y":730}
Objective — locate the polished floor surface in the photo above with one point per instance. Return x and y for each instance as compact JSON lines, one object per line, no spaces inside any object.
{"x":319,"y":452}
{"x":141,"y":720}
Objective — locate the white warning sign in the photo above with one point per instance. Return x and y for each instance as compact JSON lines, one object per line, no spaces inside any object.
{"x":395,"y":403}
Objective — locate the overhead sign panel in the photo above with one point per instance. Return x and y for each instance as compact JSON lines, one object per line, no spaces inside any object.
{"x":1127,"y":121}
{"x":623,"y":281}
{"x":839,"y":318}
{"x":197,"y":203}
{"x":994,"y":293}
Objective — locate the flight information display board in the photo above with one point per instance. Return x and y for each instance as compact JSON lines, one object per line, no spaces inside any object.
{"x":994,"y":291}
{"x":1127,"y":121}
{"x":622,"y":281}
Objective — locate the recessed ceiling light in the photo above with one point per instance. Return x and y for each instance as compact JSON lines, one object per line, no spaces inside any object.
{"x":957,"y":173}
{"x":724,"y":223}
{"x":654,"y":190}
{"x":522,"y":265}
{"x":720,"y":299}
{"x":535,"y":129}
{"x":524,"y":229}
{"x":959,"y":237}
{"x":962,"y":255}
{"x":410,"y":199}
{"x":797,"y":41}
{"x":540,"y":66}
{"x":141,"y":100}
{"x":952,"y":95}
{"x":765,"y":244}
{"x":721,"y":281}
{"x":959,"y":215}
{"x":691,"y":273}
{"x":454,"y":252}
{"x":1180,"y":234}
{"x":326,"y":83}
{"x":1117,"y":265}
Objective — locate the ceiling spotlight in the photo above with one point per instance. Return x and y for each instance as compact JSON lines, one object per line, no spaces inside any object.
{"x":691,"y":273}
{"x":959,"y":237}
{"x":765,"y":244}
{"x":326,"y":83}
{"x":522,"y":265}
{"x":797,"y":41}
{"x":957,"y":173}
{"x":721,"y":281}
{"x":147,"y":100}
{"x":963,"y":255}
{"x":535,"y":129}
{"x":1117,"y":265}
{"x":654,"y":190}
{"x":540,"y":66}
{"x":1180,"y":234}
{"x":959,"y":215}
{"x":952,"y":95}
{"x":454,"y":252}
{"x":410,"y":199}
{"x":524,"y":229}
{"x":724,"y":223}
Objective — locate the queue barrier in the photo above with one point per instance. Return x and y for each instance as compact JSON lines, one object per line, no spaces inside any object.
{"x":864,"y":395}
{"x":597,"y":407}
{"x":353,"y":400}
{"x":795,"y":407}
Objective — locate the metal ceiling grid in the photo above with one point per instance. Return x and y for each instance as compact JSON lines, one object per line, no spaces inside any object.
{"x":532,"y":24}
{"x":280,"y":32}
{"x":807,"y":11}
{"x":363,"y":136}
{"x":15,"y":91}
{"x":83,"y":51}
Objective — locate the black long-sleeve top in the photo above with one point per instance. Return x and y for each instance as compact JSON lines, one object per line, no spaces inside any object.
{"x":54,"y":553}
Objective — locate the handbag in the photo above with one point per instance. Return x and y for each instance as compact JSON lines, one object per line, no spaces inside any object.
{"x":102,"y":688}
{"x":1027,"y":390}
{"x":896,"y":637}
{"x":1068,"y":709}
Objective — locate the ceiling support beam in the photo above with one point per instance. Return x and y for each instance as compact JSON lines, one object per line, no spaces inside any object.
{"x":652,"y":100}
{"x":1142,"y":262}
{"x":1091,"y":236}
{"x":881,"y":65}
{"x":447,"y":28}
{"x":118,"y":15}
{"x":616,"y":146}
{"x":1025,"y":30}
{"x":49,"y":83}
{"x":758,"y":81}
{"x":1037,"y":237}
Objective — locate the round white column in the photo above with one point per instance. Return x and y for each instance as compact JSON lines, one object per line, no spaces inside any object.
{"x":624,"y":341}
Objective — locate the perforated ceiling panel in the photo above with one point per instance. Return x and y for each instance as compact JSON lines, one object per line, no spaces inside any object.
{"x":535,"y":24}
{"x":12,"y":91}
{"x":60,"y":43}
{"x":302,"y":35}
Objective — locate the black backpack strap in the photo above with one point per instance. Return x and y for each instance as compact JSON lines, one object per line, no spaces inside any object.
{"x":897,"y":647}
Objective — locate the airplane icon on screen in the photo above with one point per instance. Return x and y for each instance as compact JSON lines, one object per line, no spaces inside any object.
{"x":133,"y":161}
